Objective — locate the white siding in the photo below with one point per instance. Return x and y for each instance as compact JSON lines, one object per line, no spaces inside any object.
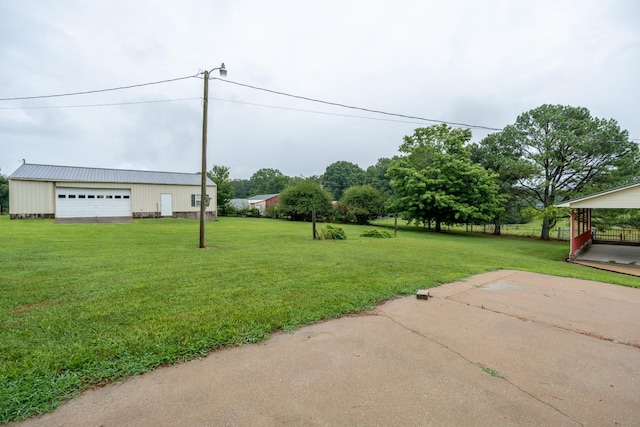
{"x":31,"y":197}
{"x":626,"y":198}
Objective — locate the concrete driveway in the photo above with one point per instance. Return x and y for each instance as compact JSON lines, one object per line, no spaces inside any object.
{"x":506,"y":348}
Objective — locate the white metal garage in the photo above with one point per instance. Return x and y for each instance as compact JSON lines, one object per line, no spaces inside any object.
{"x":49,"y":191}
{"x":92,"y":202}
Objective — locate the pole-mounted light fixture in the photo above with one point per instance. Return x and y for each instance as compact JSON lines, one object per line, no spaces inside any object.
{"x":204,"y":199}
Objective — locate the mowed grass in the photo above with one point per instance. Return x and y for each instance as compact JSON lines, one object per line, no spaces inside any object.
{"x":87,"y":304}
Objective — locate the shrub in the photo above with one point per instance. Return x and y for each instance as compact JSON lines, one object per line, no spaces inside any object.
{"x":273,"y":212}
{"x":360,"y":204}
{"x":331,"y":232}
{"x":378,"y":234}
{"x":299,"y":201}
{"x":249,"y":212}
{"x":227,"y":210}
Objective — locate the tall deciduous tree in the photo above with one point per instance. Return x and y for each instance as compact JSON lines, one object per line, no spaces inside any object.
{"x":571,"y":153}
{"x":341,"y":175}
{"x":500,"y":154}
{"x":241,"y":188}
{"x":268,"y":181}
{"x":224,"y":191}
{"x":436,"y":181}
{"x":300,"y":200}
{"x":376,"y":176}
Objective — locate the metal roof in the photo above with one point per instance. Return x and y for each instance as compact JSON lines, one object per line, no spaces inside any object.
{"x":261,"y":197}
{"x":32,"y":172}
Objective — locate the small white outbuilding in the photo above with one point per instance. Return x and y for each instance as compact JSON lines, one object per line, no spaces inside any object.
{"x":45,"y":191}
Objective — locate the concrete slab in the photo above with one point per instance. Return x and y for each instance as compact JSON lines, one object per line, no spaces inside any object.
{"x":505,"y":348}
{"x":615,"y":254}
{"x":618,"y":258}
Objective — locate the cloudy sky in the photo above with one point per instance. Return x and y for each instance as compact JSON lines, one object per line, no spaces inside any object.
{"x":474,"y":62}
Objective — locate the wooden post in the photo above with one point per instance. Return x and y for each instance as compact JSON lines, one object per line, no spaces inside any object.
{"x":313,"y":221}
{"x":395,"y":227}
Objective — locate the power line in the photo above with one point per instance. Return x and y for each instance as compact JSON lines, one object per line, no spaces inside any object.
{"x":358,"y":108}
{"x":317,"y":112}
{"x":465,"y":125}
{"x":97,"y":105}
{"x":115,"y":104}
{"x":97,"y":90}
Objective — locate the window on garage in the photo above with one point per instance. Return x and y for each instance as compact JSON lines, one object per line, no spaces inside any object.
{"x":195,"y":199}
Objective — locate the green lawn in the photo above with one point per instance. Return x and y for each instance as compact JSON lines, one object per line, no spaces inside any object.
{"x":89,"y":303}
{"x":531,"y":229}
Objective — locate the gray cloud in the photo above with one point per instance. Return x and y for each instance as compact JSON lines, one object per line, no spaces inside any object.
{"x":474,"y":62}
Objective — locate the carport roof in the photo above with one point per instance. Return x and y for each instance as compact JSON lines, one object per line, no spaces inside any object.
{"x":625,"y":197}
{"x":33,"y":172}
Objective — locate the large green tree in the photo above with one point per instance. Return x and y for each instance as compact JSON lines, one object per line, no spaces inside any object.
{"x":341,"y":175}
{"x":361,"y":203}
{"x":300,"y":200}
{"x":224,"y":191}
{"x":4,"y":194}
{"x":500,"y":154}
{"x":436,"y":181}
{"x":376,"y":176}
{"x":268,"y":181}
{"x":241,"y":188}
{"x":571,"y":153}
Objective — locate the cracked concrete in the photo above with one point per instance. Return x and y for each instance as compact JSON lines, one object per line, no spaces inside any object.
{"x":502,"y":348}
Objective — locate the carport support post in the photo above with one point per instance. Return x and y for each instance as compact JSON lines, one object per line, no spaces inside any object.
{"x":203,"y":184}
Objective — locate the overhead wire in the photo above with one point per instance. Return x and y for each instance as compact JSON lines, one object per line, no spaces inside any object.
{"x":337,"y":104}
{"x":197,"y":75}
{"x":315,"y":111}
{"x":44,"y":107}
{"x":113,"y":104}
{"x":87,"y":92}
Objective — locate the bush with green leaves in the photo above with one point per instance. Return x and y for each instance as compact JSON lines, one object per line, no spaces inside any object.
{"x":227,"y":210}
{"x":332,"y":232}
{"x":249,"y":212}
{"x":299,"y":201}
{"x":359,"y":204}
{"x":376,"y":233}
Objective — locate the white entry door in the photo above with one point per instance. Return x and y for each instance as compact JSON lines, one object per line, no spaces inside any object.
{"x":166,"y":205}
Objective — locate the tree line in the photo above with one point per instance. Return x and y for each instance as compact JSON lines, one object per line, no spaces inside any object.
{"x":550,"y":154}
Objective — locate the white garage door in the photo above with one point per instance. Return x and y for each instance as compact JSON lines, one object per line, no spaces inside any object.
{"x":92,"y":202}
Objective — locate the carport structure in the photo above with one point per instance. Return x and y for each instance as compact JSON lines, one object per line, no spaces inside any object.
{"x":582,"y":231}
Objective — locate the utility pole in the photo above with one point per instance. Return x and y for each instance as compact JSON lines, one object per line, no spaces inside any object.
{"x":203,"y":183}
{"x":204,"y":200}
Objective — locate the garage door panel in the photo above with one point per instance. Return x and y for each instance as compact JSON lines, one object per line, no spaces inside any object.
{"x":88,"y":202}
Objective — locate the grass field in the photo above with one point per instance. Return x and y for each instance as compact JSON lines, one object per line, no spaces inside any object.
{"x":531,"y":229}
{"x":87,"y":304}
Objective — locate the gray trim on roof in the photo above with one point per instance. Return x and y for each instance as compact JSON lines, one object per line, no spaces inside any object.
{"x":32,"y":172}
